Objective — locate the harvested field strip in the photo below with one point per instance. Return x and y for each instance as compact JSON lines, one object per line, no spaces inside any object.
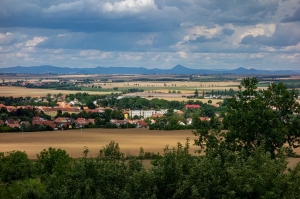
{"x":73,"y":141}
{"x":14,"y":91}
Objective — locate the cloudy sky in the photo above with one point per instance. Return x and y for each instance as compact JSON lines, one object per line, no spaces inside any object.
{"x":210,"y":34}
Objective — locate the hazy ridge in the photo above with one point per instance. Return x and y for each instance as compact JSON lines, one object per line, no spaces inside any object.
{"x":178,"y":69}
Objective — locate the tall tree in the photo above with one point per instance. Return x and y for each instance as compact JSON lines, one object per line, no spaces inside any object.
{"x":196,"y":93}
{"x":268,"y":118}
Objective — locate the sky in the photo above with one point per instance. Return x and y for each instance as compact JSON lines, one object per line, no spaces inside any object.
{"x":200,"y":34}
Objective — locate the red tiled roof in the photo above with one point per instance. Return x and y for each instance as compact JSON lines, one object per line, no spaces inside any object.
{"x":11,"y":108}
{"x":37,"y":118}
{"x":63,"y":119}
{"x":80,"y":119}
{"x":132,"y":121}
{"x":48,"y":109}
{"x":14,"y":125}
{"x":192,"y":106}
{"x":142,"y":123}
{"x":44,"y":122}
{"x":91,"y":121}
{"x":26,"y":107}
{"x":11,"y":121}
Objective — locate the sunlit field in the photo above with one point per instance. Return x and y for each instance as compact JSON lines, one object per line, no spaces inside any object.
{"x":14,"y":91}
{"x":74,"y":141}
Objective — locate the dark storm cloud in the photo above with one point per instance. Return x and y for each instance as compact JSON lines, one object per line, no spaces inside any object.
{"x":82,"y":16}
{"x":203,"y":39}
{"x":107,"y":41}
{"x":151,"y":32}
{"x":293,"y":18}
{"x":228,"y":31}
{"x":238,"y":11}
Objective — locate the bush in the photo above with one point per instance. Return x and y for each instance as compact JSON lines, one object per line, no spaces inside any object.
{"x":15,"y":165}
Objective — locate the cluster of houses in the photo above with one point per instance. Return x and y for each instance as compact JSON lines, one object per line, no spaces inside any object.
{"x":65,"y":122}
{"x":58,"y":123}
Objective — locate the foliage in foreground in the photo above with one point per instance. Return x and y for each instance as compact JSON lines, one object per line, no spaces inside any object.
{"x":256,"y":118}
{"x":175,"y":174}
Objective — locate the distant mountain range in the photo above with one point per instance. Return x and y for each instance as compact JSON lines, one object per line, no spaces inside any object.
{"x":178,"y":69}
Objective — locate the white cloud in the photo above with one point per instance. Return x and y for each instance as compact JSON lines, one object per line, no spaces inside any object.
{"x":196,"y":31}
{"x":295,"y":58}
{"x":95,"y":54}
{"x":155,"y":58}
{"x":292,"y":48}
{"x":21,"y":55}
{"x":134,"y":6}
{"x":257,"y":55}
{"x":259,"y":29}
{"x":35,"y":41}
{"x":5,"y":35}
{"x":183,"y":54}
{"x":129,"y":57}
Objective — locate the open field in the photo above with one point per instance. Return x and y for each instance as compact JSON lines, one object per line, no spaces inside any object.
{"x":169,"y":84}
{"x":14,"y":91}
{"x":157,"y":89}
{"x":73,"y":141}
{"x":170,"y":96}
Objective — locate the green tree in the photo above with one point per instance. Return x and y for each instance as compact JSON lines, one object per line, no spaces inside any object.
{"x":268,"y":118}
{"x":52,"y":160}
{"x":66,"y":114}
{"x":116,"y":114}
{"x":59,"y":113}
{"x":196,"y":93}
{"x":111,"y":151}
{"x":15,"y":165}
{"x":91,"y":105}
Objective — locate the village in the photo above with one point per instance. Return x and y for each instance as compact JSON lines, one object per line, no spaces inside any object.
{"x":74,"y":115}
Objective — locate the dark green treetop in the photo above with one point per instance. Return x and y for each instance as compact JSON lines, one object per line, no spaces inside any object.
{"x":268,"y":118}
